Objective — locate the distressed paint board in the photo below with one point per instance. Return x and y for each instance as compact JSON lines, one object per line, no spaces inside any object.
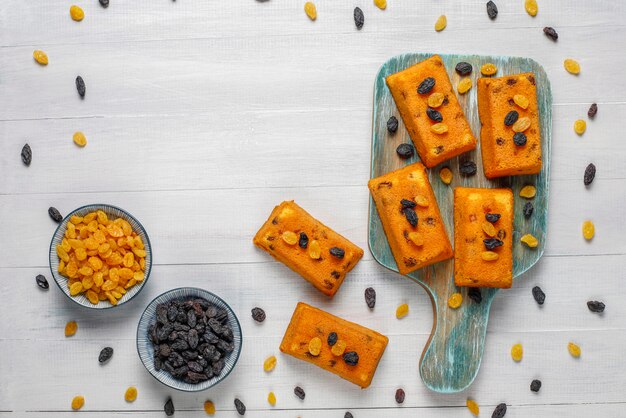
{"x":452,"y":356}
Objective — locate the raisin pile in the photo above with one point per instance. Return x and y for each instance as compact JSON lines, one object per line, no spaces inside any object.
{"x":191,"y":338}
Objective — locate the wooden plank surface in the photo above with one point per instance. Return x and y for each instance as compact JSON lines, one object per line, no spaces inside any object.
{"x":201,"y":116}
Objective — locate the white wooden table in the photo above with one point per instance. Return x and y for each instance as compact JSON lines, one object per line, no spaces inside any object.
{"x":201,"y":115}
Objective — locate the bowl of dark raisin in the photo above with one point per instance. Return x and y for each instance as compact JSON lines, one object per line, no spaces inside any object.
{"x":189,"y":339}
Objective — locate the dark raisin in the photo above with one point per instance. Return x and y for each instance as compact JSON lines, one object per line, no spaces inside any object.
{"x":519,"y":139}
{"x":55,"y":214}
{"x":299,"y":392}
{"x":42,"y":281}
{"x":241,"y":408}
{"x":551,"y":33}
{"x":359,"y":19}
{"x":434,"y":115}
{"x":400,"y":395}
{"x":405,"y":151}
{"x":80,"y":86}
{"x":539,"y":296}
{"x":169,"y":408}
{"x":27,"y":154}
{"x":463,"y":68}
{"x":467,"y":168}
{"x":511,"y":118}
{"x":590,"y":174}
{"x":500,"y":411}
{"x":406,"y":203}
{"x":492,"y":217}
{"x":258,"y":314}
{"x":348,"y":415}
{"x":411,"y":216}
{"x":595,"y":306}
{"x":492,"y":10}
{"x":426,"y":85}
{"x":303,"y":242}
{"x":351,"y":358}
{"x":474,"y":294}
{"x":104,"y":3}
{"x":105,"y":354}
{"x":392,"y":125}
{"x":593,"y":109}
{"x":332,"y":339}
{"x":337,"y":252}
{"x":528,"y":209}
{"x":370,"y":297}
{"x":535,"y":385}
{"x":491,"y":243}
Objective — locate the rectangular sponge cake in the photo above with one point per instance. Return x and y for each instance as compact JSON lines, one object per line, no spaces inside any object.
{"x":433,"y":148}
{"x":471,"y":228}
{"x":326,"y":257}
{"x":398,"y":195}
{"x":309,"y":322}
{"x":496,"y":98}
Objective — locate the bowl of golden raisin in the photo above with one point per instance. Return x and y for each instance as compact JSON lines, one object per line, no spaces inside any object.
{"x":100,"y":256}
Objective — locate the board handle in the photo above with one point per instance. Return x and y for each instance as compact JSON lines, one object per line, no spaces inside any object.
{"x":453,"y":354}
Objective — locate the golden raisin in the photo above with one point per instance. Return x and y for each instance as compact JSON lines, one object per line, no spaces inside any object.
{"x":315,"y":251}
{"x":489,"y":255}
{"x":529,"y":240}
{"x":310,"y":10}
{"x":290,"y":237}
{"x":473,"y":407}
{"x":521,"y":100}
{"x":209,"y":408}
{"x":445,"y":175}
{"x":416,"y":238}
{"x":435,"y":100}
{"x":571,"y":66}
{"x":402,"y":311}
{"x":521,"y":125}
{"x":489,"y":229}
{"x":441,"y":23}
{"x":589,"y":230}
{"x":40,"y":57}
{"x":580,"y":126}
{"x":131,"y":394}
{"x":76,"y":288}
{"x":269,"y":363}
{"x":528,"y":192}
{"x":422,"y":201}
{"x":531,"y":7}
{"x":315,"y":346}
{"x":439,"y":128}
{"x":573,"y":349}
{"x":455,"y":300}
{"x":92,"y":296}
{"x":80,"y":139}
{"x":517,"y":352}
{"x":78,"y":402}
{"x":464,"y":85}
{"x":488,"y":69}
{"x":77,"y":13}
{"x":70,"y":328}
{"x":338,"y":348}
{"x":271,"y":398}
{"x":381,"y":4}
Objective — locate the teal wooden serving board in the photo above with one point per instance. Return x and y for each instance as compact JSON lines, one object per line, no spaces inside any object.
{"x":452,"y":356}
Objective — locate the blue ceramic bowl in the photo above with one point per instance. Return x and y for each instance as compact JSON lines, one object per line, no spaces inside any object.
{"x":112,"y":212}
{"x":145,"y":348}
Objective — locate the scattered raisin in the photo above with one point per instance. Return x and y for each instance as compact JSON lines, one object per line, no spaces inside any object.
{"x":169,"y":407}
{"x":593,"y":109}
{"x":80,"y":86}
{"x":299,"y":392}
{"x":492,"y":217}
{"x":511,"y":118}
{"x":105,"y":354}
{"x":595,"y":306}
{"x":55,"y":214}
{"x":472,"y":406}
{"x":491,"y":243}
{"x":519,"y":139}
{"x":474,"y":294}
{"x":27,"y":154}
{"x":269,"y":364}
{"x":580,"y":126}
{"x":463,"y":68}
{"x":392,"y":124}
{"x":332,"y":339}
{"x":70,"y":328}
{"x":209,"y":407}
{"x":539,"y":296}
{"x":551,"y":33}
{"x":400,"y":395}
{"x":359,"y":19}
{"x":131,"y":394}
{"x":441,"y":23}
{"x":467,"y":168}
{"x":405,"y":151}
{"x":528,"y":192}
{"x":406,"y":203}
{"x":42,"y":282}
{"x":492,"y":10}
{"x":532,"y":9}
{"x":370,"y":297}
{"x":402,"y":311}
{"x":104,"y":3}
{"x":337,"y":252}
{"x":426,"y":85}
{"x":528,"y":209}
{"x":517,"y":352}
{"x":573,"y":349}
{"x":434,"y":115}
{"x":241,"y":408}
{"x":311,"y":12}
{"x":500,"y":411}
{"x":530,"y":240}
{"x":590,"y":174}
{"x":455,"y":300}
{"x":411,"y":216}
{"x":271,"y":398}
{"x":351,"y":358}
{"x":445,"y":174}
{"x":348,"y":415}
{"x":535,"y":385}
{"x":258,"y":314}
{"x":589,"y":230}
{"x":571,"y":66}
